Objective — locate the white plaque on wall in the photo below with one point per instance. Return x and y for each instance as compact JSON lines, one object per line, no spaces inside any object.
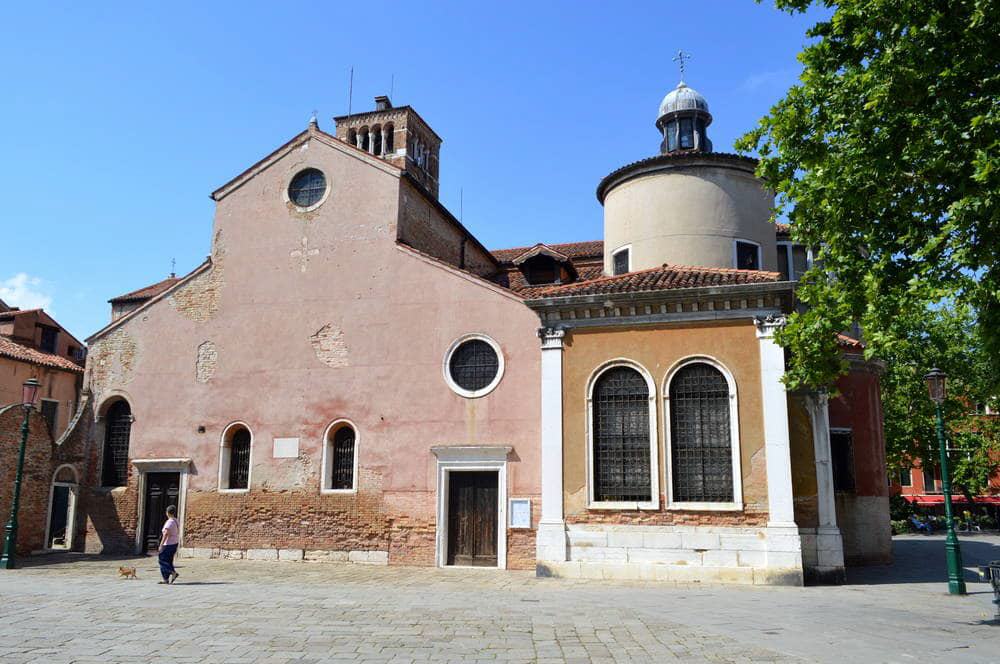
{"x":520,"y":512}
{"x":286,"y":448}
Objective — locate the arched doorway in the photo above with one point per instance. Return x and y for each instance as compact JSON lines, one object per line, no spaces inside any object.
{"x":62,"y":509}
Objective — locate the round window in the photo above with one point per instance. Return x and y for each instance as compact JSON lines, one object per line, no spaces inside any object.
{"x":307,"y":188}
{"x":474,"y":366}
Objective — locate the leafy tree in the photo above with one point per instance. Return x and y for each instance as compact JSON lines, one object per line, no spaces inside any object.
{"x":946,"y":337}
{"x":886,"y":155}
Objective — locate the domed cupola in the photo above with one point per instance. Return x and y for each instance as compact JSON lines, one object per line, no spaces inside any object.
{"x":683,"y":120}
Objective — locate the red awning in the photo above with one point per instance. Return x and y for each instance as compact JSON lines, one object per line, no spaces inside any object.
{"x":938,"y":499}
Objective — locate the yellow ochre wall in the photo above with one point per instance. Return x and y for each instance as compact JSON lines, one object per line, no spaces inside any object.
{"x":657,"y":349}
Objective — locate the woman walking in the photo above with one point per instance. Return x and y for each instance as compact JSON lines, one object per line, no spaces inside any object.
{"x":168,"y":546}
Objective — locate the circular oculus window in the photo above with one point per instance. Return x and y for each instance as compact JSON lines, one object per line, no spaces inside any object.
{"x":473,"y":366}
{"x":307,"y":188}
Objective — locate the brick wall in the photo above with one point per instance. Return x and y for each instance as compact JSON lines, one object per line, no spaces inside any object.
{"x":670,"y":518}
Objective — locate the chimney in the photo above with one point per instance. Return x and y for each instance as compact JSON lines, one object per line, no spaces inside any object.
{"x":382,"y":103}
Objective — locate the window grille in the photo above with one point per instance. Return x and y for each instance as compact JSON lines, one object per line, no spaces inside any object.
{"x":343,"y":459}
{"x":474,"y":365}
{"x":307,"y":188}
{"x":842,"y":460}
{"x":700,"y":436}
{"x":621,"y":436}
{"x":239,"y":460}
{"x":118,"y":426}
{"x":621,"y":262}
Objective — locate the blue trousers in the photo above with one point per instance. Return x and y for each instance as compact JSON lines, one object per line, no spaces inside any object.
{"x":166,"y":558}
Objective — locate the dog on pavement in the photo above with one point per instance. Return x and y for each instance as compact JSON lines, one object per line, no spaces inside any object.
{"x":127,"y":573}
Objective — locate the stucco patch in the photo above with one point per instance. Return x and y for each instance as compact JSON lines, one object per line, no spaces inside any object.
{"x":198,"y":299}
{"x":112,"y":360}
{"x":208,"y":355}
{"x":329,"y":346}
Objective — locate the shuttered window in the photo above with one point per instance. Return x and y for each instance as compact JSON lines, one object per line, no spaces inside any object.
{"x":239,"y":460}
{"x":700,"y":436}
{"x":117,"y":428}
{"x":621,"y":436}
{"x":342,"y":457}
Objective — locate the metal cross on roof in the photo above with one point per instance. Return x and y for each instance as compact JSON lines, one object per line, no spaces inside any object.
{"x":679,"y":59}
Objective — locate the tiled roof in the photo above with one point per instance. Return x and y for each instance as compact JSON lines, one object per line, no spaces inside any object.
{"x":16,"y":351}
{"x":17,"y":312}
{"x":659,"y":278}
{"x":574,"y":250}
{"x":850,"y":342}
{"x":147,"y":292}
{"x":782,"y":229}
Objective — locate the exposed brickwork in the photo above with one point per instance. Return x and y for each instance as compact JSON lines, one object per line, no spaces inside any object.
{"x":42,"y":458}
{"x":111,"y":360}
{"x":670,"y":518}
{"x":198,"y":299}
{"x":329,"y":346}
{"x":208,"y":357}
{"x":412,"y":542}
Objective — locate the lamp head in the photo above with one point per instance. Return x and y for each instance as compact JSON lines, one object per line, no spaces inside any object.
{"x":936,"y":385}
{"x":29,"y":392}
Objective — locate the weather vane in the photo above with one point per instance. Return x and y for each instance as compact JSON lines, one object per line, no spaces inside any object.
{"x":679,"y":59}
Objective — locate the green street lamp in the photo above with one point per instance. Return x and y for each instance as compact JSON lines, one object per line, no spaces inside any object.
{"x":956,"y":577}
{"x":28,"y":394}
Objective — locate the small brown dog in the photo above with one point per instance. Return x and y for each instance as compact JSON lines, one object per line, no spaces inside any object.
{"x":127,"y":573}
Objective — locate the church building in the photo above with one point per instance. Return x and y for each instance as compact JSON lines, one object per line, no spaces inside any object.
{"x":352,"y":376}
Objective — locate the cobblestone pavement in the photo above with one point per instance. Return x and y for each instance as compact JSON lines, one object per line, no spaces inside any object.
{"x":75,"y":609}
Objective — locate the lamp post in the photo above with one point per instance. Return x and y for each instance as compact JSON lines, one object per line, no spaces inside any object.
{"x":28,"y":393}
{"x":956,"y":581}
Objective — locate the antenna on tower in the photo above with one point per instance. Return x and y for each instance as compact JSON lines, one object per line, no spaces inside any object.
{"x":679,"y":59}
{"x":461,"y":204}
{"x":173,"y":268}
{"x":350,"y":90}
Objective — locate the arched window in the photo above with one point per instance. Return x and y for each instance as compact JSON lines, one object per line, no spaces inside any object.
{"x":352,"y":137}
{"x":364,"y":138}
{"x":389,"y":132}
{"x":234,"y":458}
{"x":117,"y":428}
{"x":340,"y":457}
{"x":377,"y":140}
{"x":702,"y":435}
{"x":621,"y":437}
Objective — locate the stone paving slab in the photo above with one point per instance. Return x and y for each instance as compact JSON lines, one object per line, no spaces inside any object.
{"x":75,"y":609}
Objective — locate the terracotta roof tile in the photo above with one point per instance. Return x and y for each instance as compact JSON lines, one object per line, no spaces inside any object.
{"x":16,"y":351}
{"x":147,"y":292}
{"x":659,"y":278}
{"x":18,"y":312}
{"x":850,"y":342}
{"x":574,"y":250}
{"x":783,"y":229}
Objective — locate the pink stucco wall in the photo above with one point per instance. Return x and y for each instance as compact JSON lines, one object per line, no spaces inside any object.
{"x":390,"y":314}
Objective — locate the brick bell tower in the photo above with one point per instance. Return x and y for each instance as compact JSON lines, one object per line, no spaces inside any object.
{"x":397,"y":134}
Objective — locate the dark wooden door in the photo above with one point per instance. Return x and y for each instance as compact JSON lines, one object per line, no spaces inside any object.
{"x":162,"y":490}
{"x":60,"y":515}
{"x":472,"y":519}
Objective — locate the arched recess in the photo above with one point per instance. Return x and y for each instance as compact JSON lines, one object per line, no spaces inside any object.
{"x":63,"y":494}
{"x":115,"y":420}
{"x":702,"y":431}
{"x":340,"y":457}
{"x":390,"y":138}
{"x":236,"y":458}
{"x":621,"y":437}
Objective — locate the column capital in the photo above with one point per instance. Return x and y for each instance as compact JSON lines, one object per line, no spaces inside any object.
{"x":817,"y":399}
{"x":768,"y":325}
{"x":552,"y":337}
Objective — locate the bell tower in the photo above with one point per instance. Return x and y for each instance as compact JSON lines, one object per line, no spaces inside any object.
{"x":397,"y":134}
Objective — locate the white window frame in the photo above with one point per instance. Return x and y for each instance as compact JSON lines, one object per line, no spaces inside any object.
{"x":73,"y":490}
{"x":292,"y":173}
{"x":787,"y":246}
{"x":734,"y":438}
{"x":446,"y":366}
{"x":225,"y":459}
{"x":654,"y":476}
{"x":327,"y":459}
{"x":760,"y":256}
{"x":624,"y":247}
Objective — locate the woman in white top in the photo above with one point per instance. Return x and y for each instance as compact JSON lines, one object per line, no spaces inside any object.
{"x":168,"y":546}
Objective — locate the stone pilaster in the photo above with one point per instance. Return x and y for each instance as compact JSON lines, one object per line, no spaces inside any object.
{"x":551,"y":539}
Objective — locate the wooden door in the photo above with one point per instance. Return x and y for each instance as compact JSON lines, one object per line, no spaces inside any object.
{"x":472,"y":518}
{"x":162,"y":490}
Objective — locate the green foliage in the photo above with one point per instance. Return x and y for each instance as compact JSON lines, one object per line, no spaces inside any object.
{"x":886,"y":155}
{"x":900,"y":527}
{"x":900,"y":509}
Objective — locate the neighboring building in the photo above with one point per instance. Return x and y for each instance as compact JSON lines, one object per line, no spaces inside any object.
{"x":351,"y":375}
{"x":33,"y":344}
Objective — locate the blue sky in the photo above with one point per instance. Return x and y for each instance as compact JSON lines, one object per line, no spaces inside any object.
{"x":118,"y":119}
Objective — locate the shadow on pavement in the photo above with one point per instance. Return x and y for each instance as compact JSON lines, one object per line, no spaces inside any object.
{"x":921,"y":559}
{"x":69,"y":557}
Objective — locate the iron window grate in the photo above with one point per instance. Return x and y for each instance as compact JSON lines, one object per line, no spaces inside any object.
{"x":700,"y":436}
{"x":474,"y":365}
{"x":118,"y":427}
{"x":343,"y":459}
{"x":621,"y":436}
{"x":239,"y":460}
{"x":307,"y":188}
